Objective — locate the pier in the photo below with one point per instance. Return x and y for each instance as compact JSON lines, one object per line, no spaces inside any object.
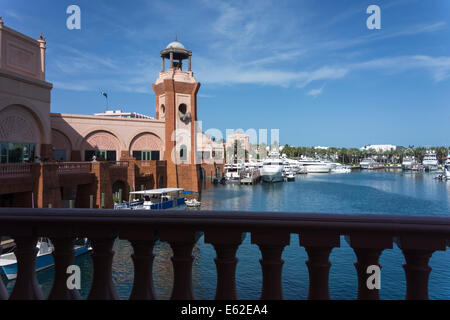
{"x":250,"y":176}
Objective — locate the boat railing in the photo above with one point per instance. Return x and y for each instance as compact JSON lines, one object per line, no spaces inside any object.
{"x":15,"y":169}
{"x":369,"y":235}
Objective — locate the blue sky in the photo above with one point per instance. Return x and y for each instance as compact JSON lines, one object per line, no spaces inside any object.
{"x":309,"y":68}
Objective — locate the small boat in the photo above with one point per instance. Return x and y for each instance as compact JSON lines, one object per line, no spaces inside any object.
{"x":192,"y":203}
{"x":341,"y":169}
{"x":290,"y":177}
{"x":44,"y":258}
{"x":154,"y":199}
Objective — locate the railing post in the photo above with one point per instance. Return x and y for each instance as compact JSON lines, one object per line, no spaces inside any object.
{"x":318,"y":245}
{"x":226,"y":244}
{"x":142,"y":240}
{"x":102,"y":285}
{"x":368,"y":248}
{"x":3,"y":291}
{"x":182,"y":243}
{"x":26,"y":286}
{"x":64,"y":255}
{"x":271,"y":245}
{"x":418,"y":250}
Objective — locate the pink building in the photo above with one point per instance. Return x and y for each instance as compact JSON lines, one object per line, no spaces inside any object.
{"x":25,"y":103}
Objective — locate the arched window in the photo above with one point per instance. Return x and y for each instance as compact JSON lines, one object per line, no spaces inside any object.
{"x":183,"y":152}
{"x":162,"y":110}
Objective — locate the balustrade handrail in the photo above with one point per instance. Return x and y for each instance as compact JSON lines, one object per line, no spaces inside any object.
{"x":75,"y":167}
{"x":15,"y":168}
{"x":119,"y":164}
{"x":368,"y":234}
{"x":290,"y":221}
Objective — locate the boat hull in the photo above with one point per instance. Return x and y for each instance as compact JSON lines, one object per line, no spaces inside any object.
{"x":273,"y":177}
{"x":43,"y":262}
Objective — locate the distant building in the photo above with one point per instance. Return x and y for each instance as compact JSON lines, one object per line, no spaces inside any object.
{"x":241,"y":138}
{"x":120,"y":114}
{"x":243,"y":144}
{"x":154,"y":152}
{"x":380,"y":147}
{"x":321,"y":148}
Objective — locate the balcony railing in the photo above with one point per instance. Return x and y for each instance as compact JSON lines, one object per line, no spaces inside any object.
{"x":15,"y":169}
{"x":417,"y":236}
{"x":74,"y":167}
{"x":119,"y":164}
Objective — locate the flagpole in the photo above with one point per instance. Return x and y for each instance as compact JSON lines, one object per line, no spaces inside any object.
{"x":106,"y":103}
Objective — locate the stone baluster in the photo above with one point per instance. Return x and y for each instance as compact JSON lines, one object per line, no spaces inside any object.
{"x":271,"y":245}
{"x":26,"y":286}
{"x":102,"y":285}
{"x":418,"y":250}
{"x":63,"y":255}
{"x":182,"y":242}
{"x":142,"y":240}
{"x":368,"y":248}
{"x":3,"y":291}
{"x":318,"y":245}
{"x":226,"y":244}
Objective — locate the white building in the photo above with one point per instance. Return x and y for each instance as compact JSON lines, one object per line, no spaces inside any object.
{"x":380,"y":147}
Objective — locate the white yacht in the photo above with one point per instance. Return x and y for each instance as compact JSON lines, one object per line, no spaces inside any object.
{"x":232,"y":172}
{"x":430,"y":161}
{"x":272,"y":170}
{"x":367,"y":163}
{"x":315,"y":165}
{"x":339,"y":168}
{"x":408,"y":163}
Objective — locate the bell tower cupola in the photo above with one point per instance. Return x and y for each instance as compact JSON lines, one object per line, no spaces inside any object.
{"x":175,"y":52}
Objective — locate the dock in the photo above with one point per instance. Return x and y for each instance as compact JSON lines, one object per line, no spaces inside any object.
{"x":250,"y":177}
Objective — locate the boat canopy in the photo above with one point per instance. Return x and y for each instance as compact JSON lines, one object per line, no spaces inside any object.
{"x":157,"y":191}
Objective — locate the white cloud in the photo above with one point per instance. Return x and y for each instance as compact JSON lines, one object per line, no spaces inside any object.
{"x":316,"y":92}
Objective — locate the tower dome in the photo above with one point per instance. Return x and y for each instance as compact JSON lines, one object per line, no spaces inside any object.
{"x":175,"y":51}
{"x":176,"y":45}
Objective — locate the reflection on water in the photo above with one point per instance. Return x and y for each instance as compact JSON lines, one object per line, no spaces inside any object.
{"x":359,"y":192}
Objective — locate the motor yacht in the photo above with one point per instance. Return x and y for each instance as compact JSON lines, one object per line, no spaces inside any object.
{"x":430,"y":161}
{"x":272,"y":170}
{"x":408,"y":163}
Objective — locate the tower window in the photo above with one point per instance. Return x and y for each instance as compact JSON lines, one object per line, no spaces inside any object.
{"x":183,"y":152}
{"x":182,"y":108}
{"x":163,"y":109}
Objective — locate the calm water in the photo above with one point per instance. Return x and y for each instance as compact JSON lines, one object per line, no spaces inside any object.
{"x":358,"y":192}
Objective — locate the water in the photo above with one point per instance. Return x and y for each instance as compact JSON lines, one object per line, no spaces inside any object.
{"x":359,"y":192}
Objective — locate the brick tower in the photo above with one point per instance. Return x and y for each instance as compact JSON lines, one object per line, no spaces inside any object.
{"x":176,"y":103}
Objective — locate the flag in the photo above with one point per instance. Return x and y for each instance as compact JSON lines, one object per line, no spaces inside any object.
{"x":105,"y":94}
